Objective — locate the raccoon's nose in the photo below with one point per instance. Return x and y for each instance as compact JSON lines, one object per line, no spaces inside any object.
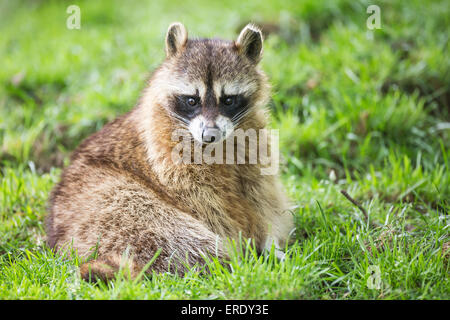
{"x":211,"y":134}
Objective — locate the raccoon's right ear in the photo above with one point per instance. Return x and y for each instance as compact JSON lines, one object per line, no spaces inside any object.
{"x":176,"y":38}
{"x":250,"y":42}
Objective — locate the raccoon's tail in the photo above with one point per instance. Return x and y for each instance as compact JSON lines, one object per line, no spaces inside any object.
{"x":107,"y":268}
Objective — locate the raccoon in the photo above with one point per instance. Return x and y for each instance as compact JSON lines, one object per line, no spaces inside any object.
{"x":125,"y":197}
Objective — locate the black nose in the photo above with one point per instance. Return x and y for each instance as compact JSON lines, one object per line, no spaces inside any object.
{"x":211,"y":134}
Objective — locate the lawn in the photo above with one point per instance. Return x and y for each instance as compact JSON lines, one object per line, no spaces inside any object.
{"x":359,"y":110}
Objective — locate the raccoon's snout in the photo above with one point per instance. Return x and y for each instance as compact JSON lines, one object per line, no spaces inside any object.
{"x":210,"y":131}
{"x":211,"y":134}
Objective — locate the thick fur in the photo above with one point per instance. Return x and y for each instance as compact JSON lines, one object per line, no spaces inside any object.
{"x":122,"y":192}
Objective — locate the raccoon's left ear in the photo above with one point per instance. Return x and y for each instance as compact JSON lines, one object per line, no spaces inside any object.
{"x":176,"y":38}
{"x":250,"y":42}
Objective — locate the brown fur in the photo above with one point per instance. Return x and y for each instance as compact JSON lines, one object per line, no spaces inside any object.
{"x":122,"y":193}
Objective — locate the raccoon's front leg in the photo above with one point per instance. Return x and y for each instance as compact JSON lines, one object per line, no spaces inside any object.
{"x":278,"y":232}
{"x":280,"y":222}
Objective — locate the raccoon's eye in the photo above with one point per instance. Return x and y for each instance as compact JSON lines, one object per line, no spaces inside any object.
{"x":192,"y":101}
{"x":228,"y":101}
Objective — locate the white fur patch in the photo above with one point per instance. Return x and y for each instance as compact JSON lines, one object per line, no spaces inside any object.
{"x":225,"y":125}
{"x":167,"y":85}
{"x":196,"y":127}
{"x":234,"y":88}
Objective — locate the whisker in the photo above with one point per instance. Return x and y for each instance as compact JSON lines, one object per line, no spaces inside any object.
{"x":239,"y":116}
{"x":181,"y":120}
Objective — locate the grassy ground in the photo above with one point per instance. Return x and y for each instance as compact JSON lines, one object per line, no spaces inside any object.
{"x":362,"y":111}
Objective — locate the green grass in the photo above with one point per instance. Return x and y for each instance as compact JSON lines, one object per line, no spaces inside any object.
{"x":363,"y":111}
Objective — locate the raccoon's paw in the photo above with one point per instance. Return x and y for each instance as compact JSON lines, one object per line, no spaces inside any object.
{"x":279,"y":253}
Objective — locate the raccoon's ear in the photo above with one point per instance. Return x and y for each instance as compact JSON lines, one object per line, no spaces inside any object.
{"x":250,"y":42}
{"x":176,"y":38}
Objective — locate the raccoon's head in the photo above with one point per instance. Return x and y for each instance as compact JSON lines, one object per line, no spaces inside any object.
{"x":210,"y":86}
